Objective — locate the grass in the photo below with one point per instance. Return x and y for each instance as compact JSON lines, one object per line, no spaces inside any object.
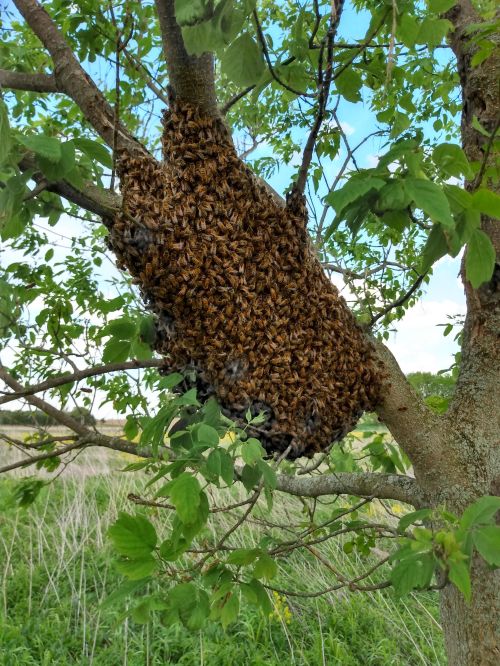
{"x":56,"y":568}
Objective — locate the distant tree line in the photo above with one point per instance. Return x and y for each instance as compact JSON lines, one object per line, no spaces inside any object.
{"x":436,"y":389}
{"x":37,"y":418}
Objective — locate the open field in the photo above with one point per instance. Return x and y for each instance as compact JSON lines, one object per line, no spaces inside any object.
{"x":56,"y":568}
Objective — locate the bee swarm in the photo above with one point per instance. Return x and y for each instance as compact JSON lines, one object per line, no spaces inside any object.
{"x":239,"y":294}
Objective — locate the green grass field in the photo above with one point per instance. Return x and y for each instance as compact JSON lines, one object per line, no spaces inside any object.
{"x":56,"y":568}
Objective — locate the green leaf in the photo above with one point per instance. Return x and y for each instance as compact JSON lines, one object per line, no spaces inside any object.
{"x":190,"y":530}
{"x":95,"y":151}
{"x":393,"y":196}
{"x":200,"y":38}
{"x":407,"y":30}
{"x":252,"y":450}
{"x":140,"y":351}
{"x":137,"y":569}
{"x":487,"y":541}
{"x":459,"y":198}
{"x":265,"y":567}
{"x":5,"y":138}
{"x":205,"y":434}
{"x":46,"y":146}
{"x":440,"y":6}
{"x":480,"y":258}
{"x":116,"y":351}
{"x":242,"y":62}
{"x":354,"y":189}
{"x":188,"y":399}
{"x":172,"y":549}
{"x":190,"y":11}
{"x":487,"y":202}
{"x":147,"y":330}
{"x":171,"y":381}
{"x":243,"y":556}
{"x":400,"y":123}
{"x":459,"y":575}
{"x":154,"y":429}
{"x":413,"y":517}
{"x":189,"y":604}
{"x":226,"y":467}
{"x":133,"y":536}
{"x":123,"y":592}
{"x":184,"y":492}
{"x":123,"y":329}
{"x":348,"y":84}
{"x":481,"y":512}
{"x":230,"y":610}
{"x":435,"y":248}
{"x":261,"y":594}
{"x":487,"y":47}
{"x":433,"y":31}
{"x":430,"y":198}
{"x":452,"y":160}
{"x":412,"y":572}
{"x":199,"y":612}
{"x":250,"y":477}
{"x":268,"y":474}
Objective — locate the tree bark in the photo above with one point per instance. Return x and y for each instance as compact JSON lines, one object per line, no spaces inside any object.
{"x":472,"y":631}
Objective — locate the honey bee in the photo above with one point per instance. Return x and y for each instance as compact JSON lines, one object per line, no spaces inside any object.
{"x":237,"y":275}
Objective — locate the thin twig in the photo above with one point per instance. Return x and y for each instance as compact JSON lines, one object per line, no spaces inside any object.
{"x":398,"y":302}
{"x":272,"y":71}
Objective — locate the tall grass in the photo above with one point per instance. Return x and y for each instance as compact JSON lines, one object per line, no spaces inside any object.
{"x":56,"y":568}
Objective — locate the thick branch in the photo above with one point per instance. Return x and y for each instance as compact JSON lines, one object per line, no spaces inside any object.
{"x":92,"y":198}
{"x":36,"y":82}
{"x":420,"y":432}
{"x":191,"y":78}
{"x":362,"y":484}
{"x":71,"y":77}
{"x":78,"y":376}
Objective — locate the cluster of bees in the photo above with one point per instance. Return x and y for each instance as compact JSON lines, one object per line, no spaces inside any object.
{"x":240,"y":298}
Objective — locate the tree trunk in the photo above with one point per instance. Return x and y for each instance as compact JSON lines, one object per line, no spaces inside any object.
{"x":472,"y":631}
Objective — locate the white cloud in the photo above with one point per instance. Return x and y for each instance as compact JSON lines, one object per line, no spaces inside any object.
{"x":372,"y":161}
{"x":347,"y":127}
{"x":419,"y":343}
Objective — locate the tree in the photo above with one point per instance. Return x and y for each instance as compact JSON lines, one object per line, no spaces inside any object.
{"x":268,"y":68}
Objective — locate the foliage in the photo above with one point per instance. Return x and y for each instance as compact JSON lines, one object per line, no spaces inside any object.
{"x":436,"y":389}
{"x":381,"y":226}
{"x":75,"y":626}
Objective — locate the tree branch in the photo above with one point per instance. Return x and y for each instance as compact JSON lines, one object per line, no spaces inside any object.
{"x":58,"y":415}
{"x":191,"y":78}
{"x":78,"y":376}
{"x":93,"y":198}
{"x":363,"y":484}
{"x":422,"y":434}
{"x":71,"y":78}
{"x":265,"y":51}
{"x":35,"y":82}
{"x":399,"y":301}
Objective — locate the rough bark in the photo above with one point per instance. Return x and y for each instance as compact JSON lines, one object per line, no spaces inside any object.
{"x":472,"y":632}
{"x":39,"y":82}
{"x":190,"y":77}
